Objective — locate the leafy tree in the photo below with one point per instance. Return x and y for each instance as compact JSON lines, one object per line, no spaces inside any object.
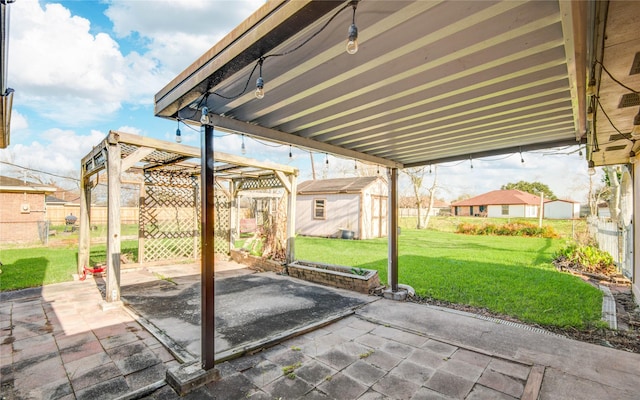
{"x":531,"y":187}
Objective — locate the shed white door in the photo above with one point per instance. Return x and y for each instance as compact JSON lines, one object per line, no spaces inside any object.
{"x":378,"y":216}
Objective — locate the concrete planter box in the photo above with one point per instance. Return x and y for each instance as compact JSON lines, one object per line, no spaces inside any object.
{"x":335,"y":275}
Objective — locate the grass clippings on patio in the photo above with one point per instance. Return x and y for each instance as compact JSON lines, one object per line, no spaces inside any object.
{"x":506,"y":275}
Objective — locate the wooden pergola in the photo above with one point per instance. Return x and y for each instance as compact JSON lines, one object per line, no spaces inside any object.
{"x":120,"y":151}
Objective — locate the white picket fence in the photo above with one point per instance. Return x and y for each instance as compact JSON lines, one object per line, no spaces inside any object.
{"x":616,"y":241}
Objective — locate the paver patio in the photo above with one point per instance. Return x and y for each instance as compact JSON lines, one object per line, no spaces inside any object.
{"x":58,"y":343}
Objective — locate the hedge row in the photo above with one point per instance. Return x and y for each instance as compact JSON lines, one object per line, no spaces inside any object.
{"x":525,"y":229}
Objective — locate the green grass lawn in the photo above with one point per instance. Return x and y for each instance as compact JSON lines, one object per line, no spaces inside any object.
{"x":37,"y":266}
{"x":507,"y":275}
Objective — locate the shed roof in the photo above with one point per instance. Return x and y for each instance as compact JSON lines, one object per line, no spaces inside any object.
{"x":561,"y":201}
{"x":338,"y":185}
{"x":500,"y":197}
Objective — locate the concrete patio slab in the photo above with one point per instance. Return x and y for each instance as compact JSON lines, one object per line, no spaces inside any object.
{"x":252,"y":309}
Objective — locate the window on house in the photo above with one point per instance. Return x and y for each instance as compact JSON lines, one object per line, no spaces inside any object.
{"x":505,"y":209}
{"x":319,"y":209}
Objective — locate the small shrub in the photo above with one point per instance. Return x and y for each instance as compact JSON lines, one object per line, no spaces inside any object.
{"x":588,"y":258}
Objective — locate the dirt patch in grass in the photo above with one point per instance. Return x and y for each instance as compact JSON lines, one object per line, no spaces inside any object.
{"x":626,"y":338}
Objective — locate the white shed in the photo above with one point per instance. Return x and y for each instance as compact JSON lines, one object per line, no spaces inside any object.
{"x":561,"y":209}
{"x":342,"y":207}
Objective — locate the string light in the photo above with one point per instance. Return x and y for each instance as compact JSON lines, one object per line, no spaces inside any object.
{"x":352,"y":43}
{"x":204,"y":119}
{"x":326,"y":158}
{"x":260,"y":82}
{"x":290,"y":154}
{"x":243,"y":149}
{"x":178,"y":133}
{"x":429,"y":167}
{"x":355,"y":164}
{"x":592,"y":170}
{"x":470,"y":161}
{"x":521,"y":159}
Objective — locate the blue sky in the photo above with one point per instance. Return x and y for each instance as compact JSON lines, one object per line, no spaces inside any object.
{"x":81,"y":68}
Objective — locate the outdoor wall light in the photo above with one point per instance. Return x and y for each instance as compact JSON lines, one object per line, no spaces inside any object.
{"x":178,"y":134}
{"x":352,"y":43}
{"x":592,"y":168}
{"x":204,"y":119}
{"x":260,"y":82}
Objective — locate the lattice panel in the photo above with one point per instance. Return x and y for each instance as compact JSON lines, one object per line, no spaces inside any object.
{"x":222,"y":222}
{"x":269,"y":182}
{"x":170,"y":216}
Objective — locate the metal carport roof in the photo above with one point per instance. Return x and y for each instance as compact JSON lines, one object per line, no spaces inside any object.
{"x":432,"y":81}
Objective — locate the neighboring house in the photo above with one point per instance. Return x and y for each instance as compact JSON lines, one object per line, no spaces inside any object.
{"x":499,"y":204}
{"x":561,"y":209}
{"x":23,"y":213}
{"x":327,"y":207}
{"x":408,"y":207}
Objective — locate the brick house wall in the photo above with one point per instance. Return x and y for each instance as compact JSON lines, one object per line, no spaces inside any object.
{"x":22,"y":214}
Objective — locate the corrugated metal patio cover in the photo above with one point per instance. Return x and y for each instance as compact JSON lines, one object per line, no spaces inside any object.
{"x":432,"y":81}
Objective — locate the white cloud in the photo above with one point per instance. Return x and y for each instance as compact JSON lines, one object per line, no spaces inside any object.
{"x":18,"y":121}
{"x":61,"y":70}
{"x":65,"y":73}
{"x":62,"y":152}
{"x":178,"y":31}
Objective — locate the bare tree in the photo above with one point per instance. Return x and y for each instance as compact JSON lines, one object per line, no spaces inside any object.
{"x":432,"y":196}
{"x":416,"y":176}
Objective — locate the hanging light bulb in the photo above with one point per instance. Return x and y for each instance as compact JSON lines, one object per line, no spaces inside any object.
{"x":290,"y":154}
{"x":521,"y":159}
{"x":635,"y":132}
{"x":429,"y":168}
{"x":204,"y":119}
{"x":326,"y":158}
{"x":580,"y":152}
{"x":352,"y":43}
{"x":260,"y":82}
{"x":243,"y":149}
{"x":592,"y":168}
{"x":355,"y":164}
{"x":378,"y":170}
{"x":470,"y":161}
{"x":178,"y":133}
